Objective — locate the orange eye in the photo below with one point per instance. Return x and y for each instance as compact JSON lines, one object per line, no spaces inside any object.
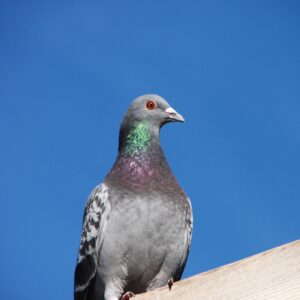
{"x":150,"y":105}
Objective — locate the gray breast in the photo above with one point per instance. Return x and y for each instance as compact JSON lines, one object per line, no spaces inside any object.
{"x":146,"y":233}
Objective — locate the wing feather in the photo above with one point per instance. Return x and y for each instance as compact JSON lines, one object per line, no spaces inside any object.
{"x":93,"y":229}
{"x":189,"y":230}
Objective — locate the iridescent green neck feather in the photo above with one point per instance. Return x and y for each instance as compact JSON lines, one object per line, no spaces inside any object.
{"x":138,"y":139}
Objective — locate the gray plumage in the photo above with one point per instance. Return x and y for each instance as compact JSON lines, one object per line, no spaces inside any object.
{"x":137,"y":224}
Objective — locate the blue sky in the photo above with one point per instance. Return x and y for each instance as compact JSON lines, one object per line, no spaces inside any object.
{"x":68,"y":71}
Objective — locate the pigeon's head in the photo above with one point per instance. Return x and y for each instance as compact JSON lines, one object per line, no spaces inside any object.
{"x":140,"y":127}
{"x":153,"y":110}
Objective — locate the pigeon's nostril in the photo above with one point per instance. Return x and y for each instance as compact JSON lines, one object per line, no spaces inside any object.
{"x":174,"y":115}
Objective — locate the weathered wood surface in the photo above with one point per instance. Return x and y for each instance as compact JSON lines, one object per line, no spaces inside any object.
{"x":270,"y":275}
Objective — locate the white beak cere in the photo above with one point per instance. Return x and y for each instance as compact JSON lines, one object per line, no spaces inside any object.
{"x":173,"y":114}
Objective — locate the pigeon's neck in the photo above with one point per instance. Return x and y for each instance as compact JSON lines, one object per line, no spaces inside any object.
{"x":138,"y":139}
{"x":140,"y":159}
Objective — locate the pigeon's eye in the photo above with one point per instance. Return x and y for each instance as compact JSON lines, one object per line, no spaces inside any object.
{"x":150,"y":105}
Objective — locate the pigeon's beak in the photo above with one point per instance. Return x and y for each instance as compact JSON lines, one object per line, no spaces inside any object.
{"x":173,"y":115}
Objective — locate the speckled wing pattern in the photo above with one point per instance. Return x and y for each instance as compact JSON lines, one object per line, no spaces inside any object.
{"x":94,"y":223}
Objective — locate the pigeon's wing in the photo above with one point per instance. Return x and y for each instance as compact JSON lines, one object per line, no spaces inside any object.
{"x":188,"y":239}
{"x":94,"y":224}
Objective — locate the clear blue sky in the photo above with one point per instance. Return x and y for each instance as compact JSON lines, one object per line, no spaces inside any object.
{"x":68,"y":71}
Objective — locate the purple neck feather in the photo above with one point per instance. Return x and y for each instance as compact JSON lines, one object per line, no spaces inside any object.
{"x":141,"y":170}
{"x":141,"y":163}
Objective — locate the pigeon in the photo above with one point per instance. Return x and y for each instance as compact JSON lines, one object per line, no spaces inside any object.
{"x":137,"y":224}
